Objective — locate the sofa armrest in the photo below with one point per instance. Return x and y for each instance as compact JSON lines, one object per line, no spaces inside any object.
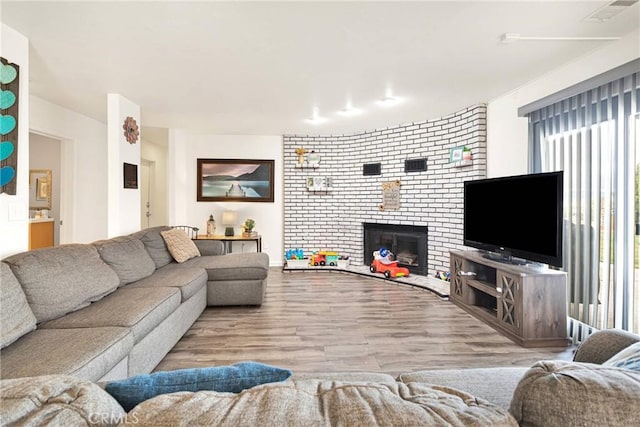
{"x":563,"y":393}
{"x":209,"y":247}
{"x":602,"y":345}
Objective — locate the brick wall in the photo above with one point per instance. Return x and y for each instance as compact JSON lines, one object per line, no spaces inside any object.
{"x":434,"y":198}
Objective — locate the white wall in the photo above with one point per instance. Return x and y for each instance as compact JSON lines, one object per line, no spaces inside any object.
{"x":123,"y":207}
{"x":14,"y":208}
{"x":84,"y":169}
{"x":184,"y":150}
{"x":44,"y":153}
{"x":507,"y":134}
{"x":156,"y":156}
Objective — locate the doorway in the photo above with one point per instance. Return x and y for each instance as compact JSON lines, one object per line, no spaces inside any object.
{"x":145,"y":193}
{"x":45,"y":153}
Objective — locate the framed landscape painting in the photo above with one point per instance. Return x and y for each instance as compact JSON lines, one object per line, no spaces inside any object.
{"x":235,"y":180}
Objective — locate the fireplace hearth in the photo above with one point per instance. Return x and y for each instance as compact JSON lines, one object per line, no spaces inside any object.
{"x":407,"y":242}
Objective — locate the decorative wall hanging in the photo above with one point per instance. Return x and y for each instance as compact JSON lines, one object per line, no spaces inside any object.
{"x":455,"y":154}
{"x":390,"y":195}
{"x":301,"y":151}
{"x":130,"y":175}
{"x":130,"y":128}
{"x":233,"y":180}
{"x":9,"y":95}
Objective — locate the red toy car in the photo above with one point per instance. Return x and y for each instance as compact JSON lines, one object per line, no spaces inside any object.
{"x":389,"y":270}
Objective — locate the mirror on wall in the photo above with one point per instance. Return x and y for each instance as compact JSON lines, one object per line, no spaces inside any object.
{"x":40,"y":189}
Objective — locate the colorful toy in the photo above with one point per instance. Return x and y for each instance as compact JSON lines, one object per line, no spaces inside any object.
{"x":322,"y":258}
{"x":443,"y":275}
{"x":383,"y":263}
{"x":294,"y":254}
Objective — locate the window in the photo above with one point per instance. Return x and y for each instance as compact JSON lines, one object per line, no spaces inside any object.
{"x":594,"y":137}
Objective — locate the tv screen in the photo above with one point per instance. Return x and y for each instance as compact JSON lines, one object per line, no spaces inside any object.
{"x":519,"y":216}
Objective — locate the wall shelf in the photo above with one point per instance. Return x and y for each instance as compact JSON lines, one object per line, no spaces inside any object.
{"x":462,"y":163}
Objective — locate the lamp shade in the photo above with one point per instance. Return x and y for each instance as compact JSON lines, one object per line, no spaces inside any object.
{"x":229,"y":218}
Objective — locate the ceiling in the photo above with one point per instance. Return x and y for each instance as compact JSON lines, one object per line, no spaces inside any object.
{"x":262,"y":67}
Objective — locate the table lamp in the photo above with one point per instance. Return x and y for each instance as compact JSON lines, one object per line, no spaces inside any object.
{"x":229,"y":219}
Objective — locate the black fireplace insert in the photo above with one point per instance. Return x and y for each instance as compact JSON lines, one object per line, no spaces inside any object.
{"x":407,"y":242}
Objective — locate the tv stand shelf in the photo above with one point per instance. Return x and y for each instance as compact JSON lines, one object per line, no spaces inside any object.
{"x":525,"y":303}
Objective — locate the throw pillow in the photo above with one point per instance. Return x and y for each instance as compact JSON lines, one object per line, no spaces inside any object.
{"x":180,"y":246}
{"x":231,"y":379}
{"x":629,"y":358}
{"x":16,"y":317}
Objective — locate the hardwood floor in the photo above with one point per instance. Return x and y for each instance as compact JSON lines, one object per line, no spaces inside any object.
{"x":330,"y":321}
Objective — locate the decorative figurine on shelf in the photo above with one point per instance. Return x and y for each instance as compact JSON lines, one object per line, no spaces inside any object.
{"x":314,"y":159}
{"x":247,"y":228}
{"x":301,"y":152}
{"x":466,"y":154}
{"x":383,"y":263}
{"x":211,"y":226}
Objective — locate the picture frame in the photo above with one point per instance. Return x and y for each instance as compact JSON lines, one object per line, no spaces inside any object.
{"x":42,"y":189}
{"x":130,"y":177}
{"x":40,"y":183}
{"x":235,"y":180}
{"x":455,"y":154}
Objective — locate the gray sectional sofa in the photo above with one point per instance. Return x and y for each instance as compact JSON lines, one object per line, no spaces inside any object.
{"x":113,"y":308}
{"x":590,"y":391}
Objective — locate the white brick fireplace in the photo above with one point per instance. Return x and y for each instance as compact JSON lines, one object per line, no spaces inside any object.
{"x":333,"y":220}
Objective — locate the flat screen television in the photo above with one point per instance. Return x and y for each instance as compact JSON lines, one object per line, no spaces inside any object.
{"x":516,"y":216}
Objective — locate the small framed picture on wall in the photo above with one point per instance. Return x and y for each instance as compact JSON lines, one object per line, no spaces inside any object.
{"x":130,"y":175}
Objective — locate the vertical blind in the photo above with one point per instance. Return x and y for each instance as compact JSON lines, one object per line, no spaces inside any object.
{"x":594,"y":137}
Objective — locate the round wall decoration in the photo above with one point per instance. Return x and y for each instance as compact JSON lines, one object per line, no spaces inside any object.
{"x":130,"y":128}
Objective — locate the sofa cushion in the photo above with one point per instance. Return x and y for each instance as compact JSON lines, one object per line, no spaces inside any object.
{"x":603,"y":345}
{"x":62,"y":279}
{"x":128,"y":258}
{"x":629,"y":358}
{"x":233,"y":379}
{"x":84,"y":352}
{"x":16,"y":317}
{"x":140,"y":309}
{"x":180,"y":245}
{"x":562,"y":393}
{"x":188,"y":279}
{"x":314,"y":402}
{"x":244,"y":266}
{"x":493,"y":384}
{"x":56,"y":400}
{"x":155,"y":245}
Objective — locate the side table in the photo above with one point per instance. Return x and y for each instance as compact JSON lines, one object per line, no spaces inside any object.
{"x":228,"y":240}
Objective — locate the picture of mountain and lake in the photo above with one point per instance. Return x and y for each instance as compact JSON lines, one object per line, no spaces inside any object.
{"x":236,"y":180}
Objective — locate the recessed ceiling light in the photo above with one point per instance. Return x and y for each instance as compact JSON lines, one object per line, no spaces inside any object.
{"x":388,"y":101}
{"x":350,"y":111}
{"x":315,"y":117}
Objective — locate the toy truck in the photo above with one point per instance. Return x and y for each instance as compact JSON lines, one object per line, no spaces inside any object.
{"x":322,"y":258}
{"x":382,"y":263}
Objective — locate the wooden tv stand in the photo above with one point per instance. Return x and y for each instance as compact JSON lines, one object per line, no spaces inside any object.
{"x":525,"y":303}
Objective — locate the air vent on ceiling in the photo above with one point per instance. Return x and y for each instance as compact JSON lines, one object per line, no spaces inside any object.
{"x":415,"y":165}
{"x":371,"y":169}
{"x":609,"y":10}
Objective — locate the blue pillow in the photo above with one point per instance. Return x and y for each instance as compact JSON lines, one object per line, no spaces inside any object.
{"x":628,"y":358}
{"x":233,"y":379}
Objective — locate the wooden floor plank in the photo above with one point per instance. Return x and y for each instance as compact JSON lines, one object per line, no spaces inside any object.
{"x":319,"y":322}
